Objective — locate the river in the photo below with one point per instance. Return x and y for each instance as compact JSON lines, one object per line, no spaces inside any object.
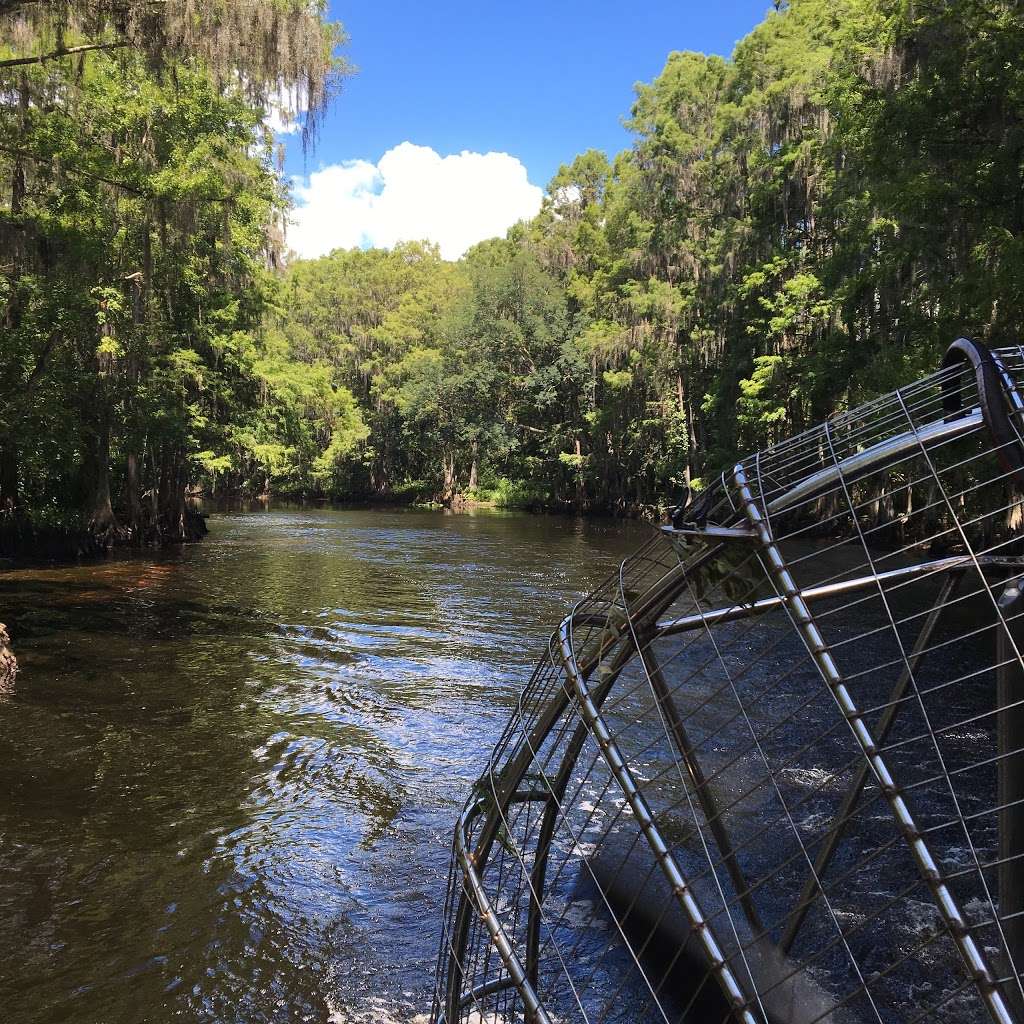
{"x":229,"y":772}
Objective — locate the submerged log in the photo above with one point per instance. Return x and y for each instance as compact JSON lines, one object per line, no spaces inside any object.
{"x":8,"y":663}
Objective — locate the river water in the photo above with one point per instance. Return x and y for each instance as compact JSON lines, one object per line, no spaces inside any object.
{"x":228,"y":774}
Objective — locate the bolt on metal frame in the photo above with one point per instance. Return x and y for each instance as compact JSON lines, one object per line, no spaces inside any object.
{"x":773,"y":771}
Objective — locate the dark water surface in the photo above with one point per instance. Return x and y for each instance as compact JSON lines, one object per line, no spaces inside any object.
{"x":228,"y":775}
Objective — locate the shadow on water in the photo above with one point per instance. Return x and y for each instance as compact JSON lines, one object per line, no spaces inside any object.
{"x":229,"y":774}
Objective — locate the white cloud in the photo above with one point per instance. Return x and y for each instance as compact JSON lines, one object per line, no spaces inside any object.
{"x":412,"y":193}
{"x":284,"y":109}
{"x":277,"y":123}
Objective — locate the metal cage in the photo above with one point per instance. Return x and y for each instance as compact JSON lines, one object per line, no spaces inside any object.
{"x":773,"y":771}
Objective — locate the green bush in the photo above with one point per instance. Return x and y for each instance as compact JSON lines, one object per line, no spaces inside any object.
{"x":512,"y":494}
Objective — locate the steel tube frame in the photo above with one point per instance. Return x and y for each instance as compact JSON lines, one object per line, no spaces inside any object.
{"x":534,"y":1010}
{"x":778,"y":571}
{"x":1010,"y":740}
{"x":697,"y":620}
{"x":682,"y":624}
{"x":842,"y":816}
{"x":885,"y":451}
{"x":993,"y":382}
{"x":642,"y":813}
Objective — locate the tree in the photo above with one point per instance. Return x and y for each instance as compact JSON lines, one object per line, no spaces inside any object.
{"x":795,"y":229}
{"x":264,"y":47}
{"x":139,"y":227}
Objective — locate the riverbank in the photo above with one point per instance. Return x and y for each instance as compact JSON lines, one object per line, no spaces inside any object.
{"x":26,"y":539}
{"x":505,"y":496}
{"x":457,"y":503}
{"x":540,"y":506}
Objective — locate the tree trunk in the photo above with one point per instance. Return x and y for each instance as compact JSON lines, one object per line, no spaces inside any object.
{"x":581,"y":491}
{"x":134,"y":504}
{"x":684,"y":411}
{"x":8,"y":477}
{"x":473,"y":467}
{"x":177,"y":519}
{"x":167,"y":502}
{"x":18,"y":183}
{"x":447,"y":475}
{"x":154,"y":495}
{"x":99,"y":510}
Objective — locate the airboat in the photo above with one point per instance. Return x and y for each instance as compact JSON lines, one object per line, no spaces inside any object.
{"x":772,"y":771}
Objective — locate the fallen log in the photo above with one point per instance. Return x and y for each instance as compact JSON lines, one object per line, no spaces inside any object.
{"x":8,"y":663}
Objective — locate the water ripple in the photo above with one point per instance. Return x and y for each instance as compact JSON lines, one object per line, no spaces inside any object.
{"x":231,"y":772}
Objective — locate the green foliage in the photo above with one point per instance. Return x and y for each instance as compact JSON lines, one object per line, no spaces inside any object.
{"x":139,"y":228}
{"x":795,"y":229}
{"x":513,"y":494}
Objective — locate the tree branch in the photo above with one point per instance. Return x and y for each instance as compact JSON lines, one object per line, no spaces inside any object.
{"x":10,"y":6}
{"x":67,"y":51}
{"x":135,"y":190}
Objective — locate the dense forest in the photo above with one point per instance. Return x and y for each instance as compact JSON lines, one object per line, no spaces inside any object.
{"x":141,"y":221}
{"x":794,"y":230}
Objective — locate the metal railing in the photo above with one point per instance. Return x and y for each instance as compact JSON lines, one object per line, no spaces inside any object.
{"x":773,"y":771}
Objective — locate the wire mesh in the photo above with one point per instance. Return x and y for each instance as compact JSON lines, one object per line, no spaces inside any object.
{"x":773,"y":769}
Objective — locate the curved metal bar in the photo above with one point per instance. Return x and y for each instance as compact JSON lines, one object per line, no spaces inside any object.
{"x":709,"y":532}
{"x":549,"y":818}
{"x":561,"y":781}
{"x":697,"y":620}
{"x":482,"y":991}
{"x":474,"y":995}
{"x":878,"y":454}
{"x":645,"y":819}
{"x":505,"y":785}
{"x":534,"y":1010}
{"x":460,"y":927}
{"x":506,"y":780}
{"x":996,"y":391}
{"x":946,"y":902}
{"x":1013,"y":396}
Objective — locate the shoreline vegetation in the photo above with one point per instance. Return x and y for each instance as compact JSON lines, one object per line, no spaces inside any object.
{"x":795,"y":230}
{"x":28,"y":542}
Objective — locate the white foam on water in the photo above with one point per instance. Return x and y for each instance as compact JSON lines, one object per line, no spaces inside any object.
{"x":580,"y":914}
{"x":375,"y":1011}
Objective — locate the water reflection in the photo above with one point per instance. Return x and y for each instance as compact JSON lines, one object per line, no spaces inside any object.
{"x":229,"y":774}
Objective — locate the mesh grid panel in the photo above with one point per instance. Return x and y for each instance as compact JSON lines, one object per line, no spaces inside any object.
{"x":773,"y":770}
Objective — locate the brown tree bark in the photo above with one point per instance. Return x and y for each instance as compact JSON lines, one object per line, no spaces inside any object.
{"x":99,"y":509}
{"x":447,"y":475}
{"x":581,"y":490}
{"x":135,"y":518}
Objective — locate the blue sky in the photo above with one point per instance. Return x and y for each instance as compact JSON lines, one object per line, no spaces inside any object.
{"x":538,"y":81}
